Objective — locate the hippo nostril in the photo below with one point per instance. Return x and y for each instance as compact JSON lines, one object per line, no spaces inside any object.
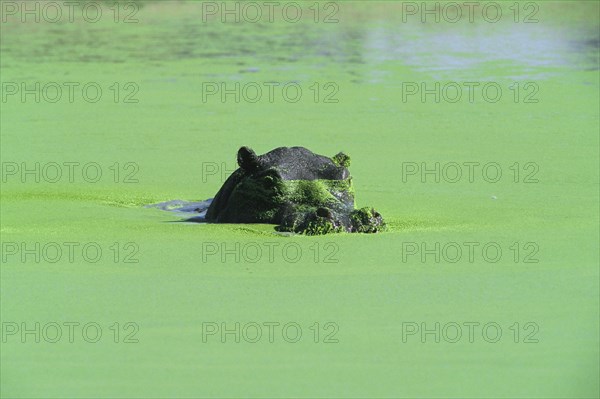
{"x":324,"y":213}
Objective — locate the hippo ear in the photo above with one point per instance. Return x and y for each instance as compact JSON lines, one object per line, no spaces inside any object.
{"x":247,"y":159}
{"x":341,"y":159}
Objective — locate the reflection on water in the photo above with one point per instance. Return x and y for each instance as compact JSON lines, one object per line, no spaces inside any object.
{"x":524,"y":50}
{"x":364,"y":47}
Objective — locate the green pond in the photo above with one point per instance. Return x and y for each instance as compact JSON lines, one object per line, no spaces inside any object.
{"x":477,"y":140}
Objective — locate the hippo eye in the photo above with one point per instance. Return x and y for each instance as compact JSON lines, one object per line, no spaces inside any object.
{"x":272,"y":173}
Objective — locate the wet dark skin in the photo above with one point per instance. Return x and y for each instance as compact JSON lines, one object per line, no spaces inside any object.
{"x":296,"y":189}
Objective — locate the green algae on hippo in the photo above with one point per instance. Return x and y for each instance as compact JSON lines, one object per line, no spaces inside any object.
{"x":298,"y":190}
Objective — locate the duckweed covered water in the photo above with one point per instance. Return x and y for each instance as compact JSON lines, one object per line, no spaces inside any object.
{"x":491,"y":203}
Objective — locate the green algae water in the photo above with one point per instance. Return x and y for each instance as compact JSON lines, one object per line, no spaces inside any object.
{"x":474,"y":133}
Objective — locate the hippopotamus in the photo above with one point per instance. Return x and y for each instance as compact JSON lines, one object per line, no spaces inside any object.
{"x":292,"y":187}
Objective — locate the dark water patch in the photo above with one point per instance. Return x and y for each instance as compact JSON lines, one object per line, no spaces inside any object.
{"x":191,"y":211}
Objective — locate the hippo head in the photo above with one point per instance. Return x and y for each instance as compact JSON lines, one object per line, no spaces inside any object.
{"x":294,"y":188}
